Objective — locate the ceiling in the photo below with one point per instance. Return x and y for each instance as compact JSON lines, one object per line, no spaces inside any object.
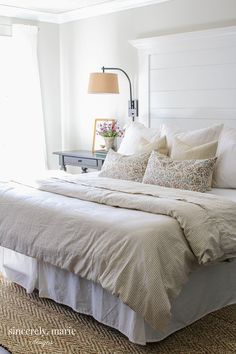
{"x":52,"y":6}
{"x":60,"y":11}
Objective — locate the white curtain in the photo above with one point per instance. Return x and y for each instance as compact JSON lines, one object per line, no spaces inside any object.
{"x":22,"y":138}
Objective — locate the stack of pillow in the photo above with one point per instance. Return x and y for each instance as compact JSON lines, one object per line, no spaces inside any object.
{"x":193,"y":160}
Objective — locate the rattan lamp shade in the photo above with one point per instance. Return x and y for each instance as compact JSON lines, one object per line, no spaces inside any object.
{"x":103,"y":83}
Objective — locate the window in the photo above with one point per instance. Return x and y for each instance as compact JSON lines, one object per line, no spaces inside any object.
{"x":22,"y":138}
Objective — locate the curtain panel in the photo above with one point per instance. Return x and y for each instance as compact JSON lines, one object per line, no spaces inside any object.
{"x":22,"y":134}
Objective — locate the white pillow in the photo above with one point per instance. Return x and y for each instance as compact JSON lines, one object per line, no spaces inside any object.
{"x":183,"y":151}
{"x":134,"y":135}
{"x":194,"y":137}
{"x":225,"y":170}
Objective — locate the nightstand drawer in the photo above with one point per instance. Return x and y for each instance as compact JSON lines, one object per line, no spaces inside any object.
{"x":76,"y":161}
{"x":81,"y":158}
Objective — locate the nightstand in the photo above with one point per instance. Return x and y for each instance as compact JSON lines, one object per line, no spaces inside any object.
{"x":80,"y":158}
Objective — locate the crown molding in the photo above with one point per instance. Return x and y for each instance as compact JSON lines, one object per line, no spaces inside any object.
{"x":168,"y":40}
{"x":106,"y":8}
{"x":27,"y":14}
{"x":86,"y":12}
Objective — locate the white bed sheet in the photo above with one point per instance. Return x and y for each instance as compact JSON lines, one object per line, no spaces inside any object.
{"x":227,"y":193}
{"x":209,"y":288}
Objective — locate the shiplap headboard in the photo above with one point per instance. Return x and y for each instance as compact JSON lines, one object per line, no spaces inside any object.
{"x":188,"y":79}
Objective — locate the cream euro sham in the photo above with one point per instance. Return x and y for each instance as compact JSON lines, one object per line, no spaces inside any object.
{"x":183,"y":151}
{"x":159,"y":144}
{"x":193,"y":137}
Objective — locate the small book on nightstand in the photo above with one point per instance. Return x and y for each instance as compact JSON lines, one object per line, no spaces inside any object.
{"x":101,"y":153}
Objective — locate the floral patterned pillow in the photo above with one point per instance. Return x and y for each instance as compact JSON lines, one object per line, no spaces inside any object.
{"x":131,"y":167}
{"x":194,"y":175}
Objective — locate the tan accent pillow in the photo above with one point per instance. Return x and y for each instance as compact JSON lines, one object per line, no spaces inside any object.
{"x":184,"y":151}
{"x":194,"y":175}
{"x":193,"y":137}
{"x":159,"y":144}
{"x":131,"y":167}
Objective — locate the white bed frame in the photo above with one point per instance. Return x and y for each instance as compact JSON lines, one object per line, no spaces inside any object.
{"x":188,"y":79}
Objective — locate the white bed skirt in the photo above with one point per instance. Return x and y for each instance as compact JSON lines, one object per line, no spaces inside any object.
{"x":209,"y":288}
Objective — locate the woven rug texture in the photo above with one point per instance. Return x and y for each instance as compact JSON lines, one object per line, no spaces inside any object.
{"x":81,"y":334}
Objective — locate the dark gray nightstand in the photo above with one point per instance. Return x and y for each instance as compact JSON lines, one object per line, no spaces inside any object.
{"x":80,"y":158}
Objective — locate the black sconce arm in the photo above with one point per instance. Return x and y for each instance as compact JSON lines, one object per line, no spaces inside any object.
{"x":130,"y":86}
{"x":133,"y":104}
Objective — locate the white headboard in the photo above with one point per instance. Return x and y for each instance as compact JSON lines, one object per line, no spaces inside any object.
{"x":188,"y":78}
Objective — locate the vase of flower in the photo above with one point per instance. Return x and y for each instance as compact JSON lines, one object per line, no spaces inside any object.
{"x":109,"y":142}
{"x":109,"y":132}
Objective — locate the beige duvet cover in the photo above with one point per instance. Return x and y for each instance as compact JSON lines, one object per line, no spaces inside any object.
{"x":138,"y":241}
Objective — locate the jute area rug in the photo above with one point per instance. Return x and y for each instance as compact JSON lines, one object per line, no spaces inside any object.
{"x":59,"y":330}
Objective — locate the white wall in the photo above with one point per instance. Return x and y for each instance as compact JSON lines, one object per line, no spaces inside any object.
{"x":49,"y":66}
{"x":86,"y":45}
{"x":69,"y":52}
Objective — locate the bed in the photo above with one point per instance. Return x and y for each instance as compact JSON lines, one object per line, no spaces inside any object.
{"x":200,"y":295}
{"x":202,"y":288}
